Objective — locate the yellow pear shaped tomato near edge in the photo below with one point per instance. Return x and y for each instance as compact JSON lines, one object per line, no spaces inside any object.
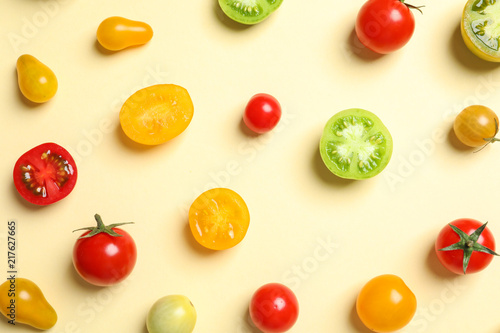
{"x":37,"y":82}
{"x":23,"y":302}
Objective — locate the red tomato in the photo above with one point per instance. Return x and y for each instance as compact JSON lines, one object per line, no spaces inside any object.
{"x":262,"y":113}
{"x":465,"y":246}
{"x":274,"y":308}
{"x":385,"y":26}
{"x":45,"y":174}
{"x":104,"y":255}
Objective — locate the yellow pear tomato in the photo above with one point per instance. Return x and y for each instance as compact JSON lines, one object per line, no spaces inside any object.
{"x":117,"y":33}
{"x":37,"y":82}
{"x":21,"y":301}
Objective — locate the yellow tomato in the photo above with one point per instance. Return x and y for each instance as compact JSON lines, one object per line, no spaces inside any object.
{"x":116,"y":33}
{"x":156,"y":114}
{"x":37,"y":82}
{"x":23,"y":302}
{"x":219,"y":219}
{"x":386,"y":304}
{"x":479,"y":27}
{"x":476,"y":125}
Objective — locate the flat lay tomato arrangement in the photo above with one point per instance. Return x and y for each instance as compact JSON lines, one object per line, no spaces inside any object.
{"x":355,"y":145}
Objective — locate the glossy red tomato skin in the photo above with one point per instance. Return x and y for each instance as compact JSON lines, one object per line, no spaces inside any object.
{"x":384,"y":26}
{"x":105,"y":260}
{"x":453,"y":260}
{"x":262,"y":113}
{"x":274,"y":308}
{"x":33,"y":157}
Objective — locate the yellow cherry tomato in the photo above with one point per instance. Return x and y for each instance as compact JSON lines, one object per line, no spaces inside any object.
{"x":37,"y":82}
{"x":219,"y":219}
{"x":476,"y":125}
{"x":117,"y":33}
{"x":386,"y":304}
{"x":21,"y":301}
{"x":156,"y":114}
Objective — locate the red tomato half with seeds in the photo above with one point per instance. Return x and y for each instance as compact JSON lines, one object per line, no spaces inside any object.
{"x":45,"y":174}
{"x":104,"y":255}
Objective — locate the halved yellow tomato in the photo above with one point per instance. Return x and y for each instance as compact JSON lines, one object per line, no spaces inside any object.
{"x":219,"y":219}
{"x":156,"y":114}
{"x":480,"y":28}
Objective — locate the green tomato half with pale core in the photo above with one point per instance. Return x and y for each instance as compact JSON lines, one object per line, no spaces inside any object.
{"x":355,"y":144}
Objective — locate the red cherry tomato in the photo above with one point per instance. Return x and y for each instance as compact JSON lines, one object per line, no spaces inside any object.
{"x":274,"y":308}
{"x":104,"y":255}
{"x":262,"y":113}
{"x":465,"y":246}
{"x":385,"y":26}
{"x":45,"y":174}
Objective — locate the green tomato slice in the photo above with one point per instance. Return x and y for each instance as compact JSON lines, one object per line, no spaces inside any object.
{"x":249,"y":11}
{"x":355,"y":144}
{"x":480,"y":28}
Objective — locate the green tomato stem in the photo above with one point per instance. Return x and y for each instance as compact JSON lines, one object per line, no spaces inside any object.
{"x":101,"y":228}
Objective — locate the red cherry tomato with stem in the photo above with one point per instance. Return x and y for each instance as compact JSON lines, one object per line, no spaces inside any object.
{"x":104,"y":255}
{"x":385,"y":26}
{"x":274,"y":308}
{"x":465,"y":246}
{"x":262,"y":113}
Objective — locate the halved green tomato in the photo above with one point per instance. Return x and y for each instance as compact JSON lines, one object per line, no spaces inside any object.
{"x":480,"y":28}
{"x":249,"y":11}
{"x":355,"y":144}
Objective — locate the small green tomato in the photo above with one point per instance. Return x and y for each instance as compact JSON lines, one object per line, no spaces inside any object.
{"x":171,"y":314}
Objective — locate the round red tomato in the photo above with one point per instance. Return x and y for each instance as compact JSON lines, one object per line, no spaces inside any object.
{"x":274,"y":308}
{"x":262,"y":113}
{"x":45,"y":174}
{"x":104,"y":255}
{"x":465,"y":246}
{"x":385,"y":26}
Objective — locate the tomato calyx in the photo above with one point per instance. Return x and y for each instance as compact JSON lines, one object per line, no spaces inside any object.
{"x":412,"y":6}
{"x":468,"y":244}
{"x":101,"y":228}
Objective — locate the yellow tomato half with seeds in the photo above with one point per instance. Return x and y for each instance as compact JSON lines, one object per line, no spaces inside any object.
{"x":219,"y":219}
{"x":156,"y":114}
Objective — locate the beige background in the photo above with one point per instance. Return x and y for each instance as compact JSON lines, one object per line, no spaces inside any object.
{"x":322,"y":236}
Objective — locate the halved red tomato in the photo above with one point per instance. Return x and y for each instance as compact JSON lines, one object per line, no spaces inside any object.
{"x":45,"y":174}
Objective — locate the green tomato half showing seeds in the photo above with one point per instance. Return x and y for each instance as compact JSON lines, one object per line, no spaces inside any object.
{"x":171,"y":314}
{"x":249,"y":11}
{"x":355,"y":144}
{"x":480,"y":27}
